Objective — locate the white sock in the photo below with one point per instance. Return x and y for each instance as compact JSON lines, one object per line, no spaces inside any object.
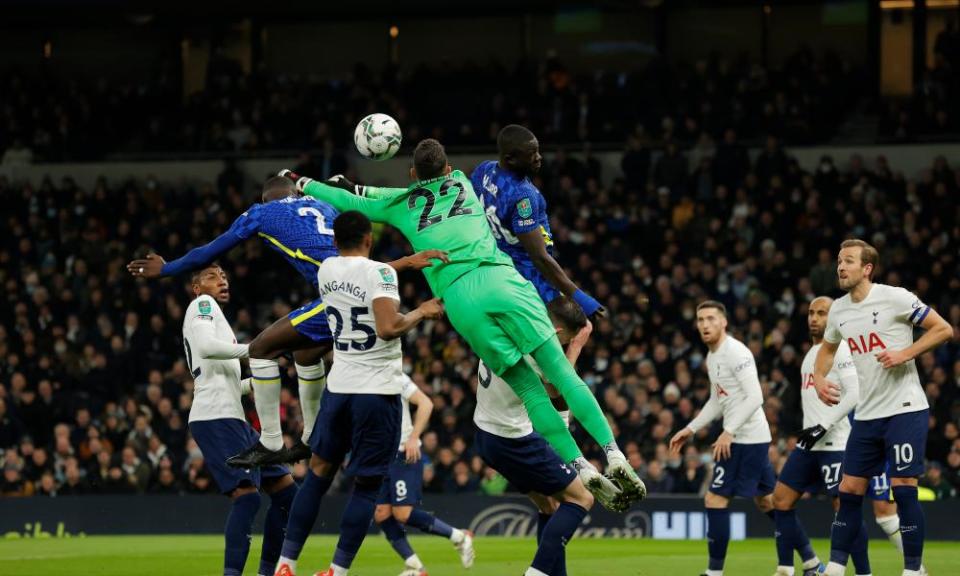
{"x":811,"y":563}
{"x":339,"y":571}
{"x":788,"y":570}
{"x":531,"y":571}
{"x":414,"y":562}
{"x":288,"y":562}
{"x":457,"y":536}
{"x":266,"y":397}
{"x":891,"y":527}
{"x":835,"y":569}
{"x":714,"y":572}
{"x":311,"y":381}
{"x":911,"y":573}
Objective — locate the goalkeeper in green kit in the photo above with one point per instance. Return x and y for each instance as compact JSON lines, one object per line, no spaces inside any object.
{"x":490,"y":304}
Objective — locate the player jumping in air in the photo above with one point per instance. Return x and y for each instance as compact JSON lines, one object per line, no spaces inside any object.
{"x":298,"y":228}
{"x":360,"y":410}
{"x":741,"y":451}
{"x":399,"y":501}
{"x":218,"y":425}
{"x":489,"y":303}
{"x":517,"y":213}
{"x":891,"y":419}
{"x":507,"y":443}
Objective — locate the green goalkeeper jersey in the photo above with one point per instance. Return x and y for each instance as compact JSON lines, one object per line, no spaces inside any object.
{"x":442,"y":213}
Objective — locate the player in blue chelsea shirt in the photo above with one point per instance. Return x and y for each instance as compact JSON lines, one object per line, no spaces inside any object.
{"x":299,"y":228}
{"x":517,"y":213}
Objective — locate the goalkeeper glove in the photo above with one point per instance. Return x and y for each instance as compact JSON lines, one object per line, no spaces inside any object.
{"x":341,"y":181}
{"x":810,"y":436}
{"x":299,"y":181}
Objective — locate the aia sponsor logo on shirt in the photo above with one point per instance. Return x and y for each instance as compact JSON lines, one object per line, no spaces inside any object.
{"x":807,"y":381}
{"x":866,"y":343}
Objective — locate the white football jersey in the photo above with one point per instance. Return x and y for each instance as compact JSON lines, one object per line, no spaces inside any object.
{"x":499,"y":410}
{"x":216,"y":383}
{"x":884,"y":320}
{"x":406,"y":422}
{"x":735,"y":388}
{"x":844,"y":375}
{"x":362,"y":362}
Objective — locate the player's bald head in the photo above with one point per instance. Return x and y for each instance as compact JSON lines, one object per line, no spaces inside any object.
{"x":821,"y":302}
{"x":513,"y":137}
{"x":277,"y":188}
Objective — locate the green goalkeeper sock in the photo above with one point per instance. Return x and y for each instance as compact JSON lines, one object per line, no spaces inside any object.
{"x":584,"y":407}
{"x":545,"y":418}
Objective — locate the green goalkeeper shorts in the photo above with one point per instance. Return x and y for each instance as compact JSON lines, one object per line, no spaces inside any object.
{"x":499,"y":313}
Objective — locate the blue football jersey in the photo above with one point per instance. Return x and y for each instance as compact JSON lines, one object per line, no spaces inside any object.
{"x":513,"y":205}
{"x":299,"y":228}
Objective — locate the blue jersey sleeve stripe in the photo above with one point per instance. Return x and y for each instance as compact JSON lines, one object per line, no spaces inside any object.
{"x":923,"y":315}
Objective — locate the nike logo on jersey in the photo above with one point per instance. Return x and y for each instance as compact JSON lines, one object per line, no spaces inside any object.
{"x":832,"y":486}
{"x":902,"y":468}
{"x":842,"y":323}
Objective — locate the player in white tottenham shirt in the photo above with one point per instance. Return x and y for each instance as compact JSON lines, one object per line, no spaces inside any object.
{"x":399,"y":501}
{"x":891,"y":419}
{"x":741,"y":451}
{"x":507,"y":442}
{"x":360,"y":410}
{"x":219,"y":428}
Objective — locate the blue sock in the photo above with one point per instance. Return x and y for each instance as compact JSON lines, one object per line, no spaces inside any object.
{"x":558,"y":531}
{"x":912,"y":525}
{"x":275,"y":527}
{"x":429,"y":523}
{"x":542,"y":520}
{"x":861,"y":560}
{"x":303,"y":513}
{"x":846,"y":526}
{"x":238,"y":531}
{"x":355,"y":522}
{"x":397,"y":537}
{"x":718,"y":536}
{"x":560,"y":569}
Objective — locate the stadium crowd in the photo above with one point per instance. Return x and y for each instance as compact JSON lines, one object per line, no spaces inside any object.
{"x":51,"y":119}
{"x":94,"y":390}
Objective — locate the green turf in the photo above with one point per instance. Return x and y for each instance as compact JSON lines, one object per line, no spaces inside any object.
{"x":201,"y":555}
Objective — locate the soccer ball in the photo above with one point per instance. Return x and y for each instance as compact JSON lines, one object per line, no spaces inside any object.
{"x":377,"y":137}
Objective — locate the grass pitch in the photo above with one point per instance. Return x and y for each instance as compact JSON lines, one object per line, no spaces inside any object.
{"x":202,"y":555}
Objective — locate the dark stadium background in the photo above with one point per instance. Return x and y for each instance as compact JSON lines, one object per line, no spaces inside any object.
{"x":729,"y":167}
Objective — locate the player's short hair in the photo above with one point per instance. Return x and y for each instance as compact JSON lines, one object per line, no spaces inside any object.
{"x":712,"y":304}
{"x":511,"y":137}
{"x":429,"y":159}
{"x":276,"y":187}
{"x":195,"y":276}
{"x":868,"y":254}
{"x":349,"y":229}
{"x":564,"y":311}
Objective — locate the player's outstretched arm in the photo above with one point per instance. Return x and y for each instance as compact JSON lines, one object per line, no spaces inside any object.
{"x":153,"y":266}
{"x":420,"y":420}
{"x":937,"y":332}
{"x":420,"y":260}
{"x":532,"y":241}
{"x":338,"y":197}
{"x":392,"y":324}
{"x":372,"y":192}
